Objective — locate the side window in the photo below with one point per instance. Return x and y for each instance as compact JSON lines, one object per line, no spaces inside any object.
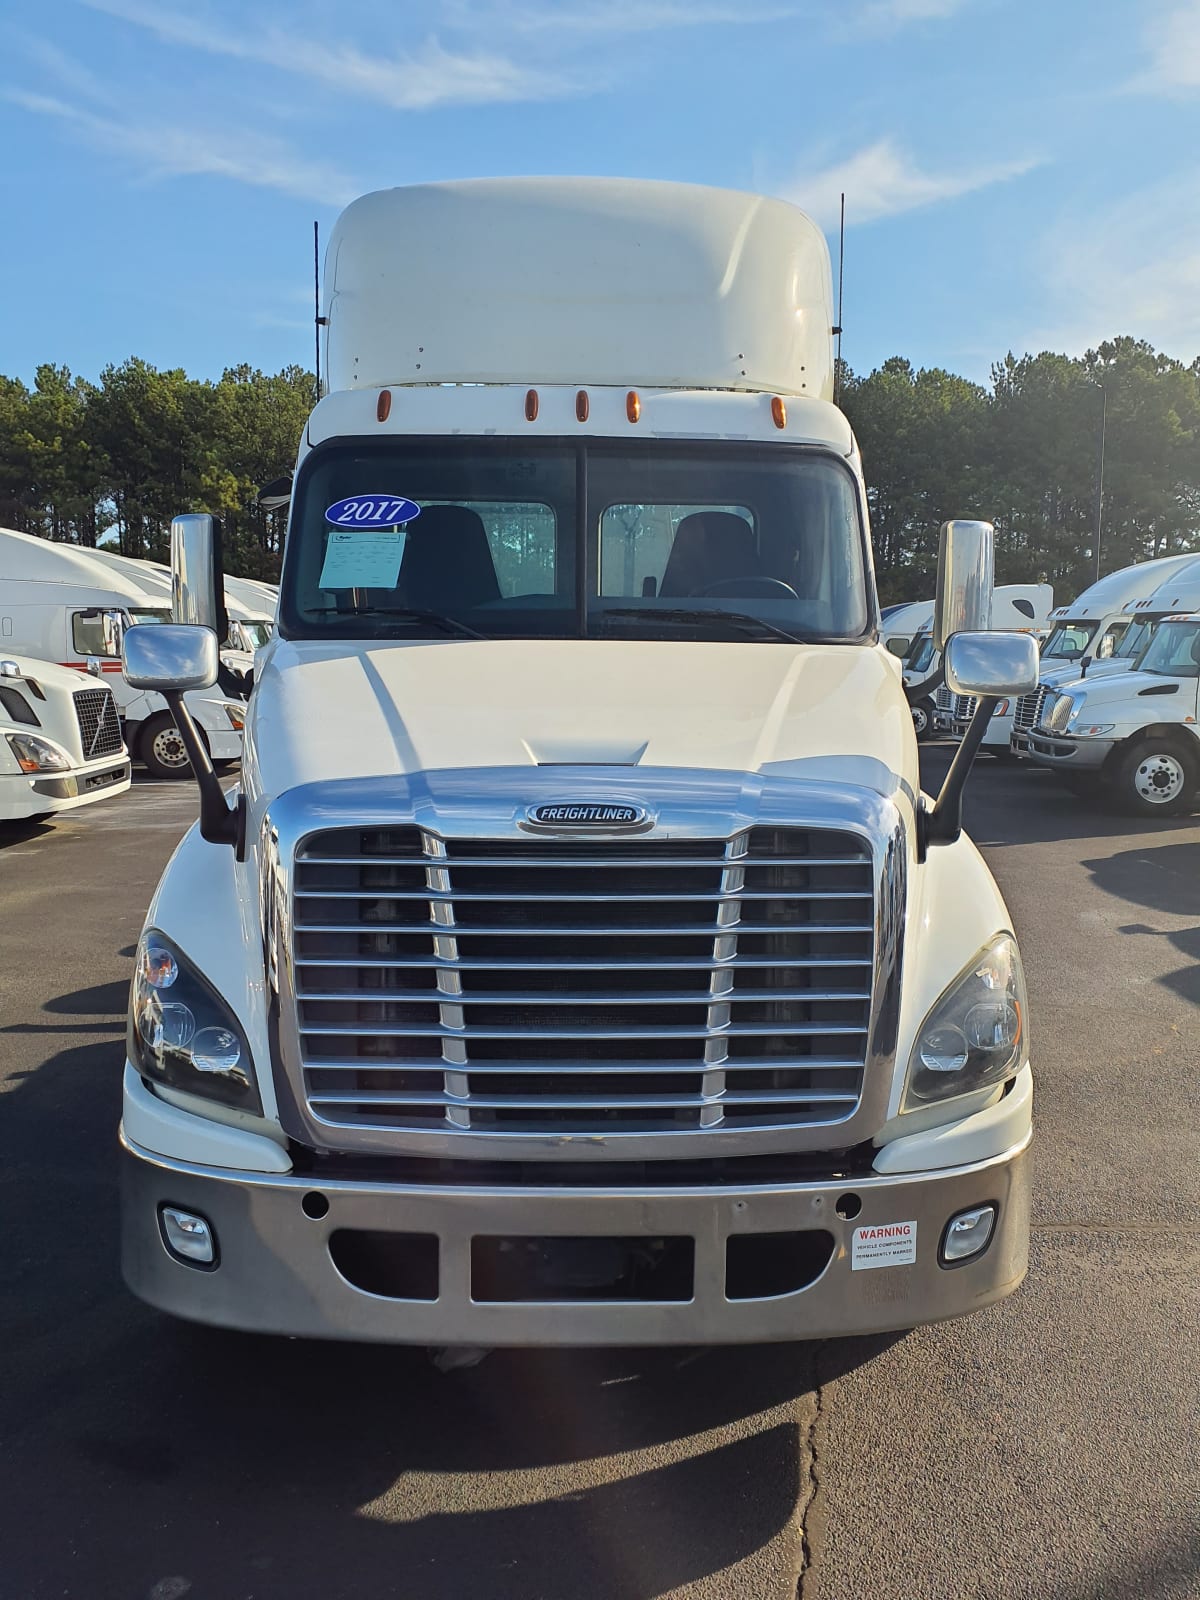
{"x":87,"y":633}
{"x":1112,"y":637}
{"x":522,"y":538}
{"x":637,"y":543}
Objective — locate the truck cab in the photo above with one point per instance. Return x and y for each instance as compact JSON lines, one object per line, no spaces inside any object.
{"x":1134,"y":733}
{"x":580,"y":961}
{"x":60,"y":741}
{"x":1091,"y":634}
{"x":67,"y":605}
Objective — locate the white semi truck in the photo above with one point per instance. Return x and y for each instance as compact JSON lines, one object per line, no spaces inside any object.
{"x":61,"y":604}
{"x":1131,"y":736}
{"x":1089,"y":633}
{"x":60,"y":740}
{"x":580,"y":962}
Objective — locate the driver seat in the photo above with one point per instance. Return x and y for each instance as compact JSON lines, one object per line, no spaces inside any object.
{"x":710,"y":547}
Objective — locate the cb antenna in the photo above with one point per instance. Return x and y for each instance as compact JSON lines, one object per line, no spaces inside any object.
{"x":318,"y":319}
{"x":837,"y":370}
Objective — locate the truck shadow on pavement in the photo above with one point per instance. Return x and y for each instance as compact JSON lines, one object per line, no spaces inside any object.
{"x":1163,"y":878}
{"x":144,"y":1452}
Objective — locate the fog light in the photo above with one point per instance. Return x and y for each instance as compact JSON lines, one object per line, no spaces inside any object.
{"x":967,"y":1234}
{"x":188,"y":1236}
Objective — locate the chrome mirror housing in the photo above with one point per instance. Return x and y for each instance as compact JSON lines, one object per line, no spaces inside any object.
{"x":170,"y":656}
{"x":991,"y":664}
{"x":10,"y":669}
{"x":196,"y":596}
{"x":965,"y":579}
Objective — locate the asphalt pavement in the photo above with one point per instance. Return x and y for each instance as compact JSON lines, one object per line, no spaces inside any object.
{"x":1047,"y":1447}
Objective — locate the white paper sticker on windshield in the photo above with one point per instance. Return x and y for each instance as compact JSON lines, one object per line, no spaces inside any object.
{"x":884,"y":1244}
{"x":362,"y":560}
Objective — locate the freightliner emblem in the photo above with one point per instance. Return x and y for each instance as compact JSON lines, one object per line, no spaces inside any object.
{"x":588,"y":814}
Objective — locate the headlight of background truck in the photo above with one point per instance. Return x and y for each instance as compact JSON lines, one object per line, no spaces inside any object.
{"x":37,"y":755}
{"x":182,"y":1033}
{"x":977,"y":1034}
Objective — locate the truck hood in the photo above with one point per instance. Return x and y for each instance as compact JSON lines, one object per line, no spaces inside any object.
{"x":832,"y":713}
{"x":1109,"y":688}
{"x":50,"y":676}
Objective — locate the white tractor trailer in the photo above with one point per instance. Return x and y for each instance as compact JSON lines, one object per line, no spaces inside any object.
{"x":580,"y":961}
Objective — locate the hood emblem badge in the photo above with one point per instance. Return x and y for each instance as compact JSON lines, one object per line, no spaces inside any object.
{"x":601,"y":816}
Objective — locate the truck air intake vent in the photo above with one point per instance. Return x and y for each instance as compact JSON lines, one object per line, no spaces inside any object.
{"x":582,"y":987}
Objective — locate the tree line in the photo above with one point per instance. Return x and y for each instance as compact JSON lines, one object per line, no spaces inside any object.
{"x":111,"y":462}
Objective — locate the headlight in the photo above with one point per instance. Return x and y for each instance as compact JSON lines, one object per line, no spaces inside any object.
{"x":182,"y":1033}
{"x":1095,"y":729}
{"x":1002,"y":707}
{"x":237,"y":717}
{"x":977,"y":1033}
{"x":37,"y":755}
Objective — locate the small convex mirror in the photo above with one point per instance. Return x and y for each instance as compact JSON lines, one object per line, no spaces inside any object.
{"x":991,"y":664}
{"x":170,"y":655}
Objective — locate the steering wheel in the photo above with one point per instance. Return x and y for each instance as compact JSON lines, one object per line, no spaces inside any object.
{"x":750,"y":588}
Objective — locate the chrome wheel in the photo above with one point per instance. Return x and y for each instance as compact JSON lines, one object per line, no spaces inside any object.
{"x":169,"y":748}
{"x":1159,"y":778}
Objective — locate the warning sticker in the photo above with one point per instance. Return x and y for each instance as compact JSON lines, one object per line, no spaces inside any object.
{"x":885,"y":1244}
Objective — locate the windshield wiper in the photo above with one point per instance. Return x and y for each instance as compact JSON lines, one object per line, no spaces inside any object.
{"x":740,"y":619}
{"x":404,"y":614}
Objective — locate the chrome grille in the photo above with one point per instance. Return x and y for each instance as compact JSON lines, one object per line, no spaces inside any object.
{"x":944,"y":700}
{"x":99,"y":725}
{"x":549,"y":986}
{"x":964,"y":707}
{"x":1029,"y":707}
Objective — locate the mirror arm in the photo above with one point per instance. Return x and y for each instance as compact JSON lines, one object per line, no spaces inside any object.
{"x":219,"y":823}
{"x":943,"y":823}
{"x":927,"y":686}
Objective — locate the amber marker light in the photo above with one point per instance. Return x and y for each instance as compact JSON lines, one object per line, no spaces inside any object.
{"x":633,"y":405}
{"x":383,"y":406}
{"x":531,"y":405}
{"x":582,"y":406}
{"x":778,"y":411}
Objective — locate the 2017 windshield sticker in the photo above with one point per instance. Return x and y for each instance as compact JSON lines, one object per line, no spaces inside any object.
{"x":364,"y":559}
{"x":372,"y":511}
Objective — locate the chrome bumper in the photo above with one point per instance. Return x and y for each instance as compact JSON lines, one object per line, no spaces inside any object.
{"x":276,"y":1273}
{"x":1060,"y":750}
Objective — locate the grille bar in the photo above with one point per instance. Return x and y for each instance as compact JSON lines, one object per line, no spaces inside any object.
{"x":659,"y":986}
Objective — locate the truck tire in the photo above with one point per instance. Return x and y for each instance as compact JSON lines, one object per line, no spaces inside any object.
{"x":922,"y":715}
{"x":160,"y":748}
{"x":1156,"y":778}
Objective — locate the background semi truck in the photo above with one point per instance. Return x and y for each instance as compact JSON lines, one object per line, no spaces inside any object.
{"x":67,"y":605}
{"x":580,"y":962}
{"x":60,"y":740}
{"x":1089,"y":632}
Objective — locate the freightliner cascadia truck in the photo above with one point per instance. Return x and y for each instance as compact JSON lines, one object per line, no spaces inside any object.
{"x":579,"y":961}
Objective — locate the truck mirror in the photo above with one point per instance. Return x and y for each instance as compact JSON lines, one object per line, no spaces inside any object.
{"x":197,"y":576}
{"x":10,"y":669}
{"x":966,"y":561}
{"x":112,"y":631}
{"x":170,"y":656}
{"x":991,"y":664}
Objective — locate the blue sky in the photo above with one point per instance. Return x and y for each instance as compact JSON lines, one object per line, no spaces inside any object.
{"x":1020,"y":174}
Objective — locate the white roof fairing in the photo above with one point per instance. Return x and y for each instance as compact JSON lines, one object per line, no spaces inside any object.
{"x":578,"y":281}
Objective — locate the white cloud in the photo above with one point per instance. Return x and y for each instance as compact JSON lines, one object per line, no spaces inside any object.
{"x":165,"y":148}
{"x":881,"y":180}
{"x":896,"y":13}
{"x":425,"y":77}
{"x":638,"y":16}
{"x":1120,"y":270}
{"x":1173,"y":43}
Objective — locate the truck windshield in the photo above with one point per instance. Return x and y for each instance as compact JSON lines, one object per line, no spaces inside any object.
{"x":922,"y":657}
{"x":1137,"y":636}
{"x":1068,"y":641}
{"x":511,"y":538}
{"x":1174,"y":651}
{"x":249,"y":636}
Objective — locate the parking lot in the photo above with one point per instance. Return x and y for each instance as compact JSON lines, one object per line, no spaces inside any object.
{"x":1047,"y":1447}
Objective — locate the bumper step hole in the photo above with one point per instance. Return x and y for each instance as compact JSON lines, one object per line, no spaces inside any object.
{"x":568,"y":1269}
{"x":761,"y":1265}
{"x":315,"y":1205}
{"x":848,"y":1207}
{"x":397,"y":1266}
